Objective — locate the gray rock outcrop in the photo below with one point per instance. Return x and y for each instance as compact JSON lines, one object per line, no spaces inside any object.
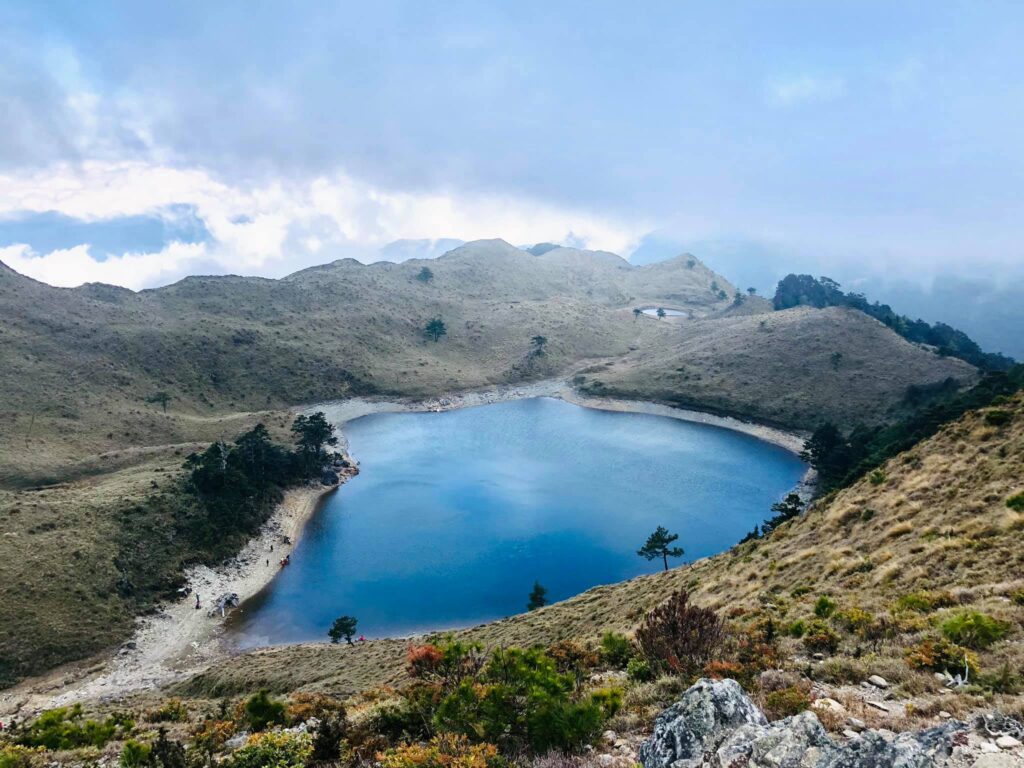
{"x":716,"y":725}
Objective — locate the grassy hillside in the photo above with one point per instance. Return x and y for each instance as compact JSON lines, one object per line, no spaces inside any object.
{"x":935,"y":521}
{"x":799,"y":367}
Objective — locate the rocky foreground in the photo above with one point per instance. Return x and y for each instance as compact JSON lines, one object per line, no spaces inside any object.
{"x":716,"y":725}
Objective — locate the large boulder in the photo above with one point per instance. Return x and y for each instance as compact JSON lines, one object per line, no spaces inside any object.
{"x":716,"y":725}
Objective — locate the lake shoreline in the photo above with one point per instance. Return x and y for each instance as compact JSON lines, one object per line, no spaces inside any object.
{"x":180,"y":641}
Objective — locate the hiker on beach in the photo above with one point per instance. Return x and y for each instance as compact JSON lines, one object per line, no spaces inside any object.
{"x":197,"y":601}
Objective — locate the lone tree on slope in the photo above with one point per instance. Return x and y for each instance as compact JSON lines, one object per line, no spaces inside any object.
{"x":637,"y":312}
{"x":343,"y":627}
{"x":160,"y":398}
{"x":538,"y":597}
{"x":538,"y":343}
{"x":425,"y":275}
{"x":435,"y":329}
{"x":661,"y":312}
{"x":659,"y":545}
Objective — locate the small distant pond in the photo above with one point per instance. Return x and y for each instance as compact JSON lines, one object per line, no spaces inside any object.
{"x":653,"y":312}
{"x":455,"y":514}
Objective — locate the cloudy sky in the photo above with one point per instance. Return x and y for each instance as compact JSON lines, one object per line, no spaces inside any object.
{"x":145,"y":141}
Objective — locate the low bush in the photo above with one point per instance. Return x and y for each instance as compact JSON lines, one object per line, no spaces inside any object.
{"x":572,"y":658}
{"x":797,"y":628}
{"x":20,"y":756}
{"x":925,"y":602}
{"x":521,"y":702}
{"x":998,"y":417}
{"x":135,"y":754}
{"x":616,"y":650}
{"x":304,"y":706}
{"x":854,"y":620}
{"x":819,"y":637}
{"x":824,"y":607}
{"x":1017,"y":596}
{"x":940,"y":655}
{"x":639,"y":671}
{"x":1016,"y":502}
{"x":261,"y":711}
{"x":446,"y":750}
{"x":1005,"y":681}
{"x":679,"y":636}
{"x":974,"y":630}
{"x":172,"y":711}
{"x":786,"y":702}
{"x":65,"y":728}
{"x":273,"y":749}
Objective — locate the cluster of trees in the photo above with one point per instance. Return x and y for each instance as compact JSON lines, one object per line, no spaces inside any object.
{"x":841,"y":458}
{"x":805,"y":290}
{"x":784,"y":510}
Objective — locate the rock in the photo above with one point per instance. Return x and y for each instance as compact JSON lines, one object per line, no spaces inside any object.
{"x":1000,"y":760}
{"x":850,"y":734}
{"x":237,"y":741}
{"x":605,"y":761}
{"x":828,"y":705}
{"x":1007,"y":742}
{"x":610,"y":736}
{"x":715,"y":725}
{"x":856,"y":724}
{"x":944,"y":714}
{"x":878,"y":681}
{"x":877,"y":705}
{"x":819,"y":657}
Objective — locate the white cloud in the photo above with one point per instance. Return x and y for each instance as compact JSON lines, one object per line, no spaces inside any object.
{"x":804,"y":89}
{"x":74,"y":266}
{"x":275,"y":228}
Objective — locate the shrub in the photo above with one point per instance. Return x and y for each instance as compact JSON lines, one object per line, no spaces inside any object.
{"x":639,"y":671}
{"x":210,"y":736}
{"x":446,"y":750}
{"x":974,"y":630}
{"x":855,"y":620}
{"x":1017,"y":596}
{"x":718,"y":670}
{"x":262,"y":711}
{"x":680,"y":636}
{"x":1016,"y":502}
{"x":272,"y":750}
{"x":616,"y":650}
{"x":786,"y":702}
{"x":520,"y":701}
{"x":134,"y":754}
{"x":998,"y":417}
{"x":941,"y":656}
{"x":304,"y":706}
{"x":819,"y":637}
{"x":423,"y":660}
{"x":412,"y":716}
{"x":1004,"y":681}
{"x":797,"y":629}
{"x":172,"y":711}
{"x":64,"y":728}
{"x":877,"y":477}
{"x":801,"y":591}
{"x":824,"y":607}
{"x":20,"y":756}
{"x":573,"y":659}
{"x":925,"y":602}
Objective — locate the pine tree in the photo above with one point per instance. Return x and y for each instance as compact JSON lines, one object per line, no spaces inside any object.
{"x":658,"y":545}
{"x":538,"y":597}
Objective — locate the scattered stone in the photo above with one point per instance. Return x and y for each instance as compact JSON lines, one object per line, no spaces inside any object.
{"x":877,"y":705}
{"x":610,"y":736}
{"x":828,"y":705}
{"x":1000,"y":760}
{"x":878,"y":681}
{"x":819,"y":657}
{"x":850,"y":734}
{"x":856,"y":724}
{"x":944,"y":714}
{"x":1007,"y":742}
{"x":605,"y":761}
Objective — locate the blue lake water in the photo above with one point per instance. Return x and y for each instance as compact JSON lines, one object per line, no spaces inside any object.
{"x":454,"y":515}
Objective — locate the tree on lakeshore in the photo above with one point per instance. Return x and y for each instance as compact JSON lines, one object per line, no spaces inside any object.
{"x":344,"y":627}
{"x":752,"y":291}
{"x":784,"y":510}
{"x":160,"y":398}
{"x":637,"y":312}
{"x":425,"y":275}
{"x":661,"y":312}
{"x":312,"y":433}
{"x":538,"y":597}
{"x":538,"y":343}
{"x":659,"y":545}
{"x":435,"y":329}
